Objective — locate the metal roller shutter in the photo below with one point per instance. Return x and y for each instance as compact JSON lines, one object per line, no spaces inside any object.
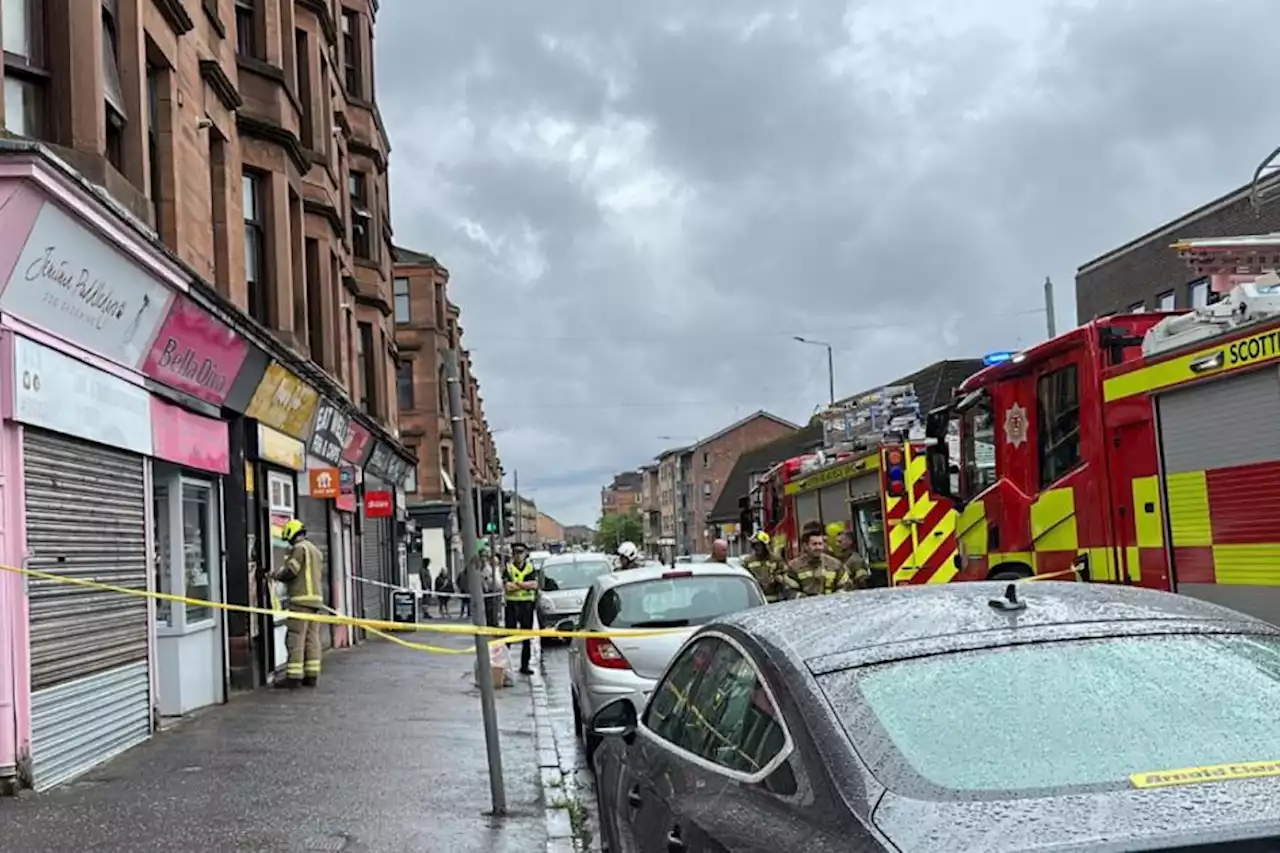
{"x":1224,"y":423}
{"x":90,"y":678}
{"x":375,"y":596}
{"x":833,"y":500}
{"x":865,"y":487}
{"x":314,"y":514}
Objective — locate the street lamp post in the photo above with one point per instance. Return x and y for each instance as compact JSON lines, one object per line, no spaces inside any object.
{"x":831,"y":369}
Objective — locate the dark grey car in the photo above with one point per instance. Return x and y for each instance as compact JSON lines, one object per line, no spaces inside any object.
{"x":971,"y":717}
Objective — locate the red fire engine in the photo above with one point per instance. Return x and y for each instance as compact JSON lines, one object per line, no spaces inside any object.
{"x":1141,"y":449}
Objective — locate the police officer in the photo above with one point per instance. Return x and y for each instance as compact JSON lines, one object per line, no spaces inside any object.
{"x":816,"y":572}
{"x":767,"y":571}
{"x":847,"y":553}
{"x":521,"y":587}
{"x":301,"y":572}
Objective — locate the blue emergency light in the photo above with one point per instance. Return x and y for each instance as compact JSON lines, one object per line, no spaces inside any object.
{"x":997,"y":357}
{"x":897,"y":485}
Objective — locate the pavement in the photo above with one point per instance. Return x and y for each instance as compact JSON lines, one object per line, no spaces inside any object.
{"x":577,"y":780}
{"x":387,"y":755}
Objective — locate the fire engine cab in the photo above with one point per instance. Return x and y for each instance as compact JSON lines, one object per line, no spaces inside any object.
{"x":1140,"y":449}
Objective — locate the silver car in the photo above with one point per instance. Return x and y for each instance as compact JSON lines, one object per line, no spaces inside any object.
{"x":681,"y":597}
{"x":563,"y":581}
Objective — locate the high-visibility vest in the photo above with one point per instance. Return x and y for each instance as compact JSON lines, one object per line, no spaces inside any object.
{"x":520,"y":574}
{"x":305,"y":586}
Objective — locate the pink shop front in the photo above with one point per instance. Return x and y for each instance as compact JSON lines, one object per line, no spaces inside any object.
{"x":110,"y":472}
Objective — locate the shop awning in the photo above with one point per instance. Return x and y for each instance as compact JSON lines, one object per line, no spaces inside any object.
{"x":448,"y":481}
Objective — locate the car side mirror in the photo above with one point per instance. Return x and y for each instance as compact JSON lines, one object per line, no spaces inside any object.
{"x":616,"y":719}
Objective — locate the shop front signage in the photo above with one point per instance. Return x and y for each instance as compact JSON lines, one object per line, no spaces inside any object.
{"x":59,"y":393}
{"x":279,"y":448}
{"x":329,"y":434}
{"x":377,"y":504}
{"x":70,"y":281}
{"x":347,"y":480}
{"x":323,"y":482}
{"x":196,"y":353}
{"x":188,"y":439}
{"x":385,"y":464}
{"x":356,"y":450}
{"x":283,"y":401}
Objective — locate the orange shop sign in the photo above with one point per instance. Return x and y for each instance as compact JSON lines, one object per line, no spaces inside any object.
{"x":323,"y":482}
{"x":283,"y":401}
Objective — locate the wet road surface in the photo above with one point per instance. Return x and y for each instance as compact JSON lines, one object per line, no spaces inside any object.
{"x":555,"y":659}
{"x":386,"y":755}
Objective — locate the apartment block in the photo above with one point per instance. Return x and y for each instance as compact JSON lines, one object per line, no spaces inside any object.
{"x":623,"y":495}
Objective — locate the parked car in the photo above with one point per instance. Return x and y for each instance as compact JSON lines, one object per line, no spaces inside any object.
{"x":678,"y":598}
{"x":562,"y":586}
{"x":969,"y":717}
{"x":537,"y":558}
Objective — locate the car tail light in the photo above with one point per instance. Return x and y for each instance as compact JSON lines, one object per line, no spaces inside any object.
{"x":604,"y":654}
{"x":677,"y":574}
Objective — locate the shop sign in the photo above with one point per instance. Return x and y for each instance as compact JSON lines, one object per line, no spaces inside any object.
{"x":283,"y":401}
{"x":188,"y":439}
{"x":196,"y":353}
{"x":70,"y":281}
{"x":345,"y":503}
{"x":377,"y":504}
{"x":59,"y":393}
{"x":323,"y":482}
{"x":357,"y":447}
{"x":279,"y":448}
{"x":386,"y":464}
{"x":330,"y":432}
{"x":347,"y":480}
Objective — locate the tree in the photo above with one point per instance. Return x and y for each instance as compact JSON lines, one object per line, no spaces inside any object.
{"x":613,"y":530}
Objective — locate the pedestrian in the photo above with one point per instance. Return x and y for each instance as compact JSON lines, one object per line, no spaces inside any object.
{"x":765,"y":568}
{"x":628,"y":556}
{"x":719,"y":551}
{"x":520,"y":585}
{"x":443,"y":586}
{"x":301,"y":571}
{"x":854,"y":565}
{"x":815,"y":572}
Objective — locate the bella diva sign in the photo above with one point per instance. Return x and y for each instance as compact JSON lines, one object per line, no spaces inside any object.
{"x":196,"y":353}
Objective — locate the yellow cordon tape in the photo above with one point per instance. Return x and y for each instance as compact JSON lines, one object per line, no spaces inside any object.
{"x":380,"y":627}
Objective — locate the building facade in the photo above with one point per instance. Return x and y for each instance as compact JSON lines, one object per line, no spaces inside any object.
{"x":195,"y":347}
{"x":650,"y":508}
{"x":623,"y":495}
{"x":427,"y":323}
{"x":1146,"y":274}
{"x":550,"y":531}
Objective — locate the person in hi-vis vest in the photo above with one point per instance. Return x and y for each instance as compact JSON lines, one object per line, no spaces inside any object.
{"x":301,"y":572}
{"x":520,"y":583}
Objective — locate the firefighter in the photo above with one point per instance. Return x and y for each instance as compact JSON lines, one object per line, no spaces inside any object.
{"x":767,"y":571}
{"x":720,"y":551}
{"x":854,"y":565}
{"x":520,"y":585}
{"x":816,"y":572}
{"x":301,"y":572}
{"x":628,"y":556}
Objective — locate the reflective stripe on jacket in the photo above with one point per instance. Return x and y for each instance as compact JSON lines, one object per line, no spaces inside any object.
{"x":520,"y":574}
{"x":301,"y":573}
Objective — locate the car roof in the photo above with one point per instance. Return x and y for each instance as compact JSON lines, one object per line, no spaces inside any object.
{"x":576,"y":557}
{"x":834,"y":632}
{"x":659,"y":571}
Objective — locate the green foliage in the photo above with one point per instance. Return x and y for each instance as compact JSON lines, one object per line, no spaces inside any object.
{"x":613,"y":530}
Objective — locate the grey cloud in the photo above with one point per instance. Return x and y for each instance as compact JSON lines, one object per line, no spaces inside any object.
{"x":808,"y":190}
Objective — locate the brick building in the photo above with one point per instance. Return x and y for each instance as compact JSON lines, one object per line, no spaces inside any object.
{"x":623,"y":495}
{"x":1145,"y":274}
{"x":650,"y":507}
{"x":549,"y":530}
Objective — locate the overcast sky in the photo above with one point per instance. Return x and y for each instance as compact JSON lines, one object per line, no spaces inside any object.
{"x":640,"y":203}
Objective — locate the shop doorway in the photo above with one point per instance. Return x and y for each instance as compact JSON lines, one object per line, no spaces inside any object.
{"x":188,"y":562}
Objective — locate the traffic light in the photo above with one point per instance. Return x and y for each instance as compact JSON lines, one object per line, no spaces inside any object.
{"x":488,"y":511}
{"x":509,"y":513}
{"x":895,"y":475}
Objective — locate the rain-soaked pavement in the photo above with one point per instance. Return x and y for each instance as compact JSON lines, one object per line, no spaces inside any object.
{"x":555,"y":668}
{"x":386,"y":755}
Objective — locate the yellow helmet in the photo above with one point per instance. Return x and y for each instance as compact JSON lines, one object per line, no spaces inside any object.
{"x":292,"y":528}
{"x":761,"y":537}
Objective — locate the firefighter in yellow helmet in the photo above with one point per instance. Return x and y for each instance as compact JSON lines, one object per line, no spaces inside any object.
{"x":301,"y":572}
{"x":815,"y":571}
{"x":766,"y":569}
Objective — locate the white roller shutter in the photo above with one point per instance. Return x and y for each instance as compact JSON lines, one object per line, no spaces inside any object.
{"x":90,"y":677}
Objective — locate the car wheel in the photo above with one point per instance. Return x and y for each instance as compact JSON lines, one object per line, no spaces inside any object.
{"x":590,"y":744}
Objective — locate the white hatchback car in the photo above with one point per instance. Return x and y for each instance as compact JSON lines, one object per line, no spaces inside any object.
{"x":681,"y":598}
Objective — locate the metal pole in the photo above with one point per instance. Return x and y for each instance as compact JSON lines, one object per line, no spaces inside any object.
{"x":1048,"y":308}
{"x":471,"y":557}
{"x":831,"y":376}
{"x":515,"y":501}
{"x":476,"y":508}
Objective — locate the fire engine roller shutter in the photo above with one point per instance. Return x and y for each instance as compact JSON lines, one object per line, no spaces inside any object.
{"x":807,"y":510}
{"x":90,"y":678}
{"x":833,"y":500}
{"x":314,"y":514}
{"x":864,"y":487}
{"x":1233,"y":421}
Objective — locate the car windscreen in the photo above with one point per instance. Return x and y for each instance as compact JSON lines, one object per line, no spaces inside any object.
{"x":575,"y":575}
{"x":676,"y":602}
{"x":1058,"y":716}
